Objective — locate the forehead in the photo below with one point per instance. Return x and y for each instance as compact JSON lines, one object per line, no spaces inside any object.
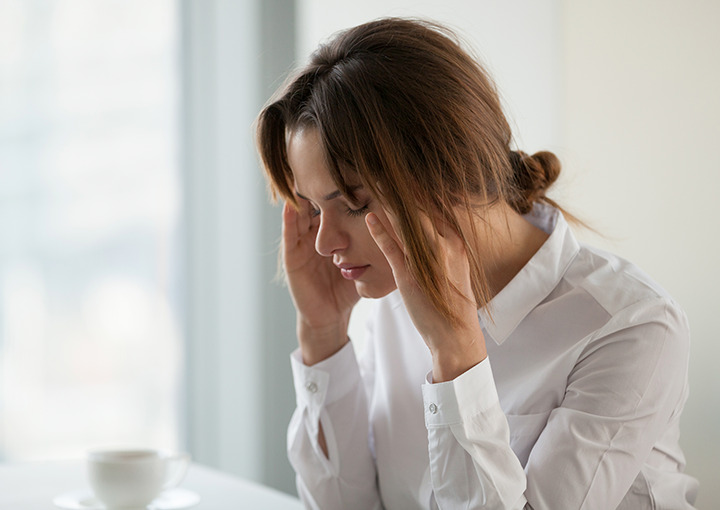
{"x":304,"y":142}
{"x":309,"y":164}
{"x":307,"y":160}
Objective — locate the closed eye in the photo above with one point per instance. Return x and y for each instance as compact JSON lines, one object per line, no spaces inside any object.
{"x":358,"y":212}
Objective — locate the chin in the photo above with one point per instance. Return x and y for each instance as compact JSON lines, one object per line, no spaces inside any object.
{"x":370,"y":291}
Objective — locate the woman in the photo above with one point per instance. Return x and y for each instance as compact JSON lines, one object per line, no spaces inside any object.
{"x":507,"y":366}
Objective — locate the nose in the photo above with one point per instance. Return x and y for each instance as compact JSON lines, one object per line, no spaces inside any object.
{"x":330,"y":238}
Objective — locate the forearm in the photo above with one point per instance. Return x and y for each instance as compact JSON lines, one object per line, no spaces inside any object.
{"x":470,"y":457}
{"x":332,"y":405}
{"x":344,"y":478}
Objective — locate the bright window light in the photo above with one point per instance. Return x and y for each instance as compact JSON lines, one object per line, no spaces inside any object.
{"x":90,"y":337}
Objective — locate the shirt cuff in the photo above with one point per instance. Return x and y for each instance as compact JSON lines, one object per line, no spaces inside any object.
{"x":471,"y":393}
{"x":327,"y":381}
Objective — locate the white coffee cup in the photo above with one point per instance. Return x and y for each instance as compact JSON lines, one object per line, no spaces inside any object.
{"x":131,"y":479}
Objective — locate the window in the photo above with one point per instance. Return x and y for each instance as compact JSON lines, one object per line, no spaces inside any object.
{"x":90,"y":337}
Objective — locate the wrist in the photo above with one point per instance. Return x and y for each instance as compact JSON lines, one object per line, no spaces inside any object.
{"x":319,"y":343}
{"x":453,"y":359}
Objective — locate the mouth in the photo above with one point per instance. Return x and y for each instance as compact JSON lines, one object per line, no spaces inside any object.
{"x":350,"y":272}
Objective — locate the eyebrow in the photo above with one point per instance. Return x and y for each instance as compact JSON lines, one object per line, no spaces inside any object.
{"x":331,"y":196}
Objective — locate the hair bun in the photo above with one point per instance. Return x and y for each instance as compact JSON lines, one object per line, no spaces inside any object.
{"x":533,"y":175}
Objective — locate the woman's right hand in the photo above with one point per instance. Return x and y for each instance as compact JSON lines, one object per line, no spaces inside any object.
{"x":322,"y":297}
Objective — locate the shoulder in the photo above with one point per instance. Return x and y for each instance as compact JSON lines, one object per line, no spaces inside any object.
{"x":610,"y":281}
{"x":632,"y":305}
{"x":614,"y":282}
{"x":602,"y":298}
{"x":635,"y":338}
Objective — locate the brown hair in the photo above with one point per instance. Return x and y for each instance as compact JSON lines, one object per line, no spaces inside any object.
{"x":404,"y":110}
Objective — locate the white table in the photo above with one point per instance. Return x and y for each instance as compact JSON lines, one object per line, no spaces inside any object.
{"x":34,"y":485}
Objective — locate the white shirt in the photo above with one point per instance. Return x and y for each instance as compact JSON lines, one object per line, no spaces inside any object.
{"x":580,"y":409}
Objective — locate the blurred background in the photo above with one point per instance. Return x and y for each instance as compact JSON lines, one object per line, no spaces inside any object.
{"x":137,"y":247}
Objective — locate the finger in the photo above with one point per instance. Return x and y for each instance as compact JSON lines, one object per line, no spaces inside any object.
{"x":387,"y":244}
{"x":426,"y":224}
{"x":431,"y":229}
{"x":451,"y":234}
{"x":392,"y":226}
{"x":289,"y":224}
{"x":303,"y":216}
{"x":439,"y":232}
{"x":432,"y":234}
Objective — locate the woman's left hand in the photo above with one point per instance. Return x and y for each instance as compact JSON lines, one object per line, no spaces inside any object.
{"x":455,"y":348}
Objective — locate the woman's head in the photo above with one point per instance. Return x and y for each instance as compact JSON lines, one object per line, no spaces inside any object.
{"x":338,"y":221}
{"x":403,"y":111}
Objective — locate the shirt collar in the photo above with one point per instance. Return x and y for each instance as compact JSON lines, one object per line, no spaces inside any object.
{"x":536,"y":279}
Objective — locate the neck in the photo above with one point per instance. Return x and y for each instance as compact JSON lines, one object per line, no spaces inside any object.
{"x":506,"y":243}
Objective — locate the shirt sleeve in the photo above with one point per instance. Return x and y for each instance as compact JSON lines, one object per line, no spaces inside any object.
{"x":331,"y":393}
{"x":471,"y":462}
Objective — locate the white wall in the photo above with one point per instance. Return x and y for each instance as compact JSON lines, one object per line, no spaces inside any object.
{"x":626,"y":94}
{"x":641,"y":124}
{"x":520,"y":42}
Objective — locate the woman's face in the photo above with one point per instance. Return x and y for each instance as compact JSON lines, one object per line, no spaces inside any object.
{"x":342,"y":233}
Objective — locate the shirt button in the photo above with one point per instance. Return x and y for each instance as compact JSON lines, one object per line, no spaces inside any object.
{"x":311,"y":387}
{"x":432,"y":408}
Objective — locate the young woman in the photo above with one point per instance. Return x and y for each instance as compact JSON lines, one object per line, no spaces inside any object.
{"x":507,"y":366}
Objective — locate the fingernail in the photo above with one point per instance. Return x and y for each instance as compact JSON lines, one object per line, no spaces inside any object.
{"x":372,"y":219}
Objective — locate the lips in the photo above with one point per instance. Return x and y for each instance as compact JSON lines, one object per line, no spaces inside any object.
{"x":352,"y":272}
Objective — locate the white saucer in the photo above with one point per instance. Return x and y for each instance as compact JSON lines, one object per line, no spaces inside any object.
{"x":173,"y":499}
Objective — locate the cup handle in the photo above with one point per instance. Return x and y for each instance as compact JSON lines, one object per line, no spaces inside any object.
{"x":177,"y":467}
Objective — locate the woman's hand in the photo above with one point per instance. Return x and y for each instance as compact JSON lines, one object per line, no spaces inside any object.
{"x":454,"y":347}
{"x":322,"y":297}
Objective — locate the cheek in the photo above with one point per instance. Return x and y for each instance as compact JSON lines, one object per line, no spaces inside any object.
{"x":370,"y":251}
{"x":370,"y":248}
{"x":382,"y":268}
